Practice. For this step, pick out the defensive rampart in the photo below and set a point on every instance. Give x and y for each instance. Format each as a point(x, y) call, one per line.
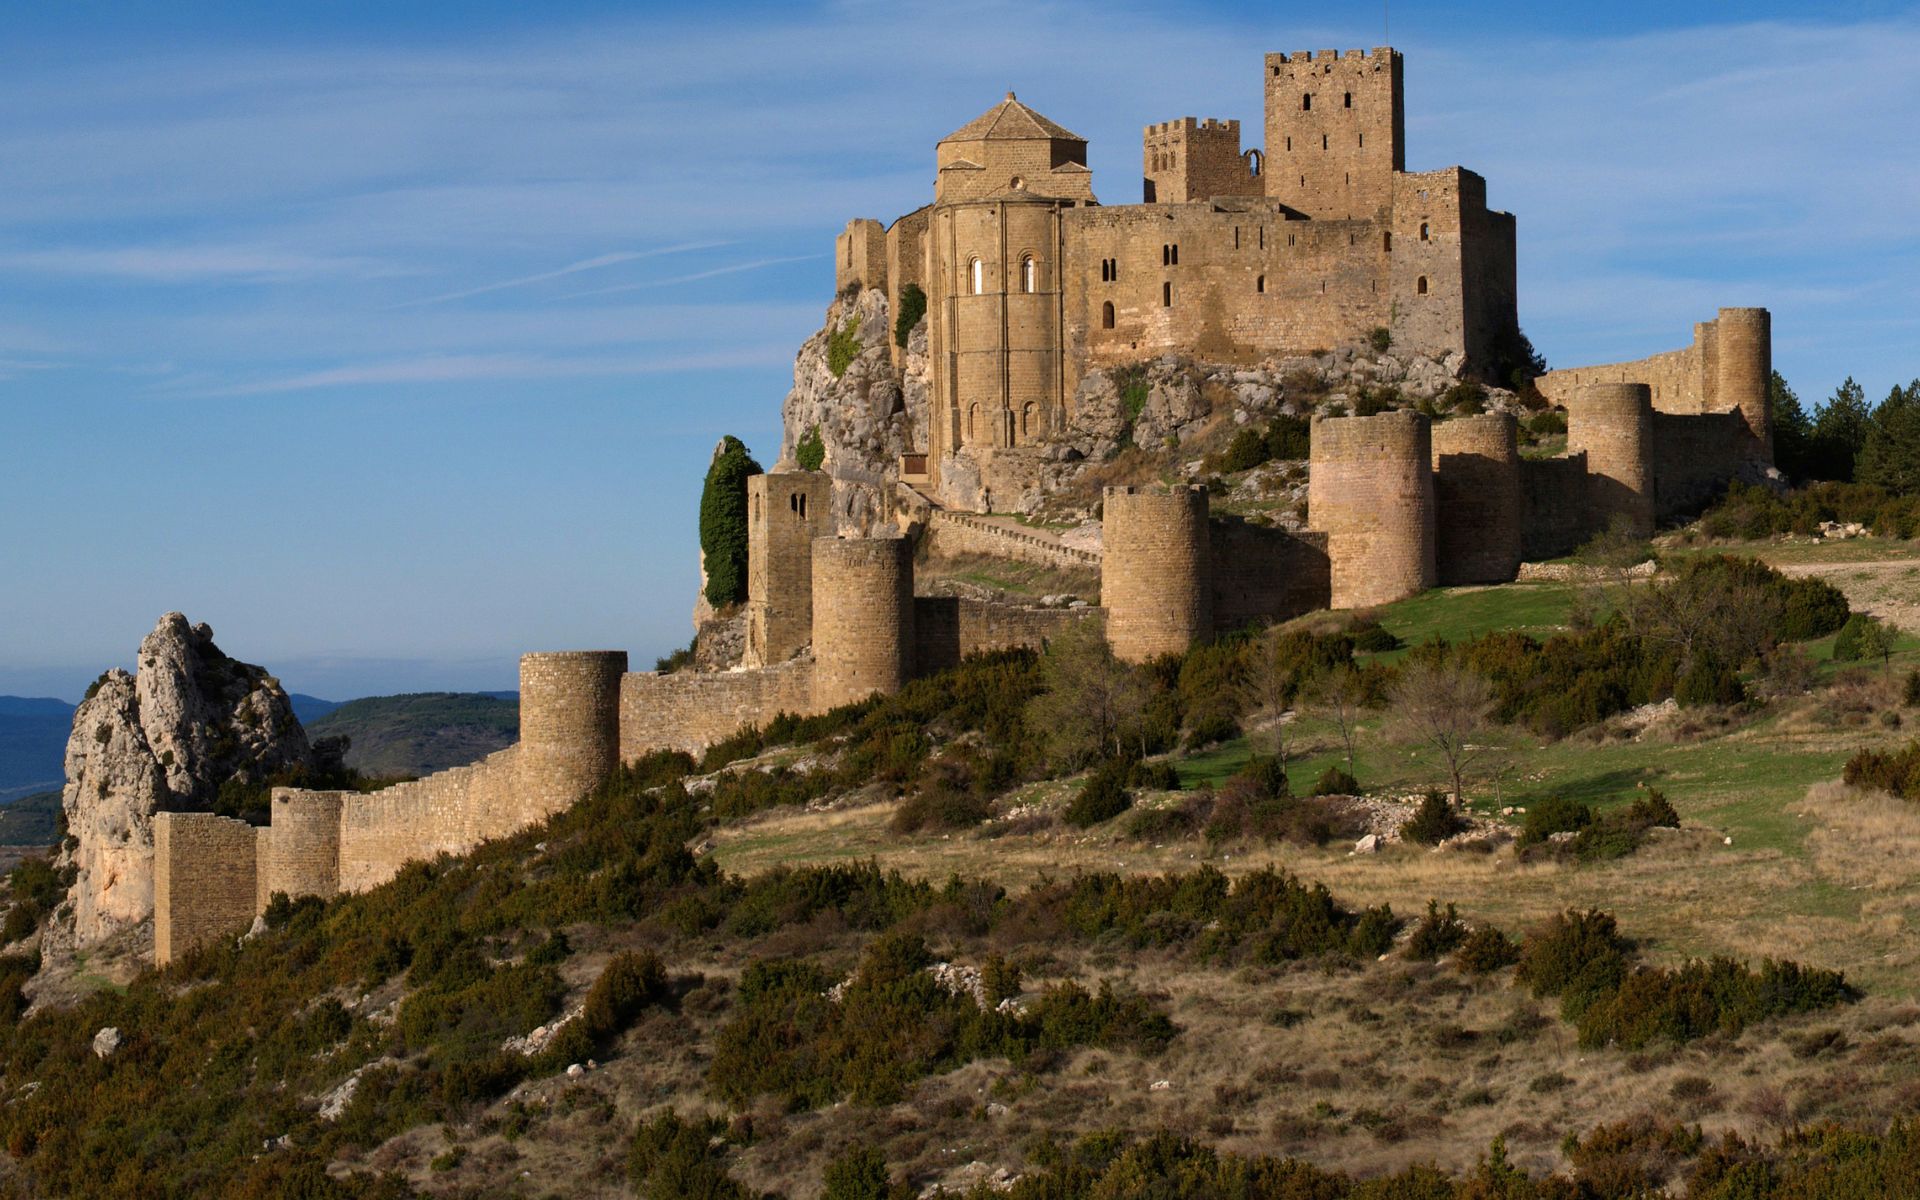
point(1371, 491)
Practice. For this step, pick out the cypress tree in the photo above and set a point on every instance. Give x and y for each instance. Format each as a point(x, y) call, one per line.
point(723, 522)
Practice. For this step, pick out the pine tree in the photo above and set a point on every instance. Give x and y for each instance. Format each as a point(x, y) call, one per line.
point(1840, 430)
point(1891, 455)
point(1793, 447)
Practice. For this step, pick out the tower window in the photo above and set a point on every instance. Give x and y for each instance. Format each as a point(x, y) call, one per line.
point(1423, 232)
point(1106, 315)
point(1029, 275)
point(1166, 295)
point(1421, 286)
point(1260, 284)
point(1263, 237)
point(1363, 141)
point(1306, 102)
point(976, 277)
point(1026, 420)
point(798, 503)
point(1323, 142)
point(1236, 237)
point(1386, 240)
point(1349, 99)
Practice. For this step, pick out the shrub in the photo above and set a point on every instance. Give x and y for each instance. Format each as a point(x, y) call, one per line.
point(1577, 956)
point(1862, 638)
point(938, 804)
point(1715, 996)
point(672, 1159)
point(1371, 637)
point(1380, 338)
point(1550, 423)
point(1212, 728)
point(1895, 771)
point(1436, 934)
point(861, 1174)
point(1247, 451)
point(1813, 608)
point(1485, 950)
point(1554, 814)
point(1433, 823)
point(723, 522)
point(1465, 398)
point(913, 306)
point(1289, 438)
point(1708, 681)
point(810, 452)
point(1102, 797)
point(1911, 694)
point(843, 346)
point(1335, 782)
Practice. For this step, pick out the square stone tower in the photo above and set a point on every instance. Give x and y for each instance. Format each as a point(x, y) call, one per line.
point(1188, 160)
point(786, 511)
point(1336, 132)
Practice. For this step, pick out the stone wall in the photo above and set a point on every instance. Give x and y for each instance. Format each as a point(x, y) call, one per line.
point(1263, 574)
point(691, 710)
point(955, 533)
point(1728, 368)
point(860, 256)
point(786, 510)
point(1336, 131)
point(1555, 512)
point(1155, 571)
point(946, 629)
point(203, 881)
point(1187, 160)
point(1371, 491)
point(569, 730)
point(862, 618)
point(1612, 424)
point(1694, 457)
point(300, 849)
point(1476, 485)
point(447, 812)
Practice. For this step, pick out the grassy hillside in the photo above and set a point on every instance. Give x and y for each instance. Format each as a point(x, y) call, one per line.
point(30, 820)
point(421, 733)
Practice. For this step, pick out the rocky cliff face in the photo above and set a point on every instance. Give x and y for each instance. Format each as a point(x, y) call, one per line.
point(868, 415)
point(167, 737)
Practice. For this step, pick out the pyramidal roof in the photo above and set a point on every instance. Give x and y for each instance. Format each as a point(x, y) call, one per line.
point(1010, 120)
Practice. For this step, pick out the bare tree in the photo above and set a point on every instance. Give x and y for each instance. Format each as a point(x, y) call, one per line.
point(1268, 690)
point(1092, 701)
point(1445, 707)
point(1341, 697)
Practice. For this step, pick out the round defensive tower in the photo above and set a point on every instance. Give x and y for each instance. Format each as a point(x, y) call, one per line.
point(569, 726)
point(1156, 577)
point(1613, 423)
point(862, 618)
point(302, 844)
point(1371, 492)
point(1476, 490)
point(1744, 369)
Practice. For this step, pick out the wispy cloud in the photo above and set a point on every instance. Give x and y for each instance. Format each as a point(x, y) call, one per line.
point(714, 273)
point(442, 369)
point(181, 264)
point(587, 264)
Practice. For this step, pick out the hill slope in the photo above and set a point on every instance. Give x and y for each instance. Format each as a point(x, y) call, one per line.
point(422, 732)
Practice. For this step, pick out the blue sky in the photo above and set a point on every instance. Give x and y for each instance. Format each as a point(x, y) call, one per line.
point(392, 339)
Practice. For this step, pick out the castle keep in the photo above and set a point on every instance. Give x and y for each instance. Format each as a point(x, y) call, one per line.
point(1237, 255)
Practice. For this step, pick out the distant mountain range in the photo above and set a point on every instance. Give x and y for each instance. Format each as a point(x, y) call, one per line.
point(391, 735)
point(33, 745)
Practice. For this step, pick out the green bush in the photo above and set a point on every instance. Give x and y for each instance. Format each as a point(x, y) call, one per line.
point(843, 345)
point(913, 306)
point(1380, 338)
point(1247, 451)
point(1436, 934)
point(1894, 771)
point(810, 452)
point(1862, 638)
point(672, 1159)
point(861, 1174)
point(1715, 996)
point(1911, 693)
point(1578, 956)
point(1335, 782)
point(1371, 637)
point(940, 805)
point(723, 522)
point(1486, 950)
point(1550, 423)
point(1465, 399)
point(1289, 438)
point(1434, 822)
point(1102, 797)
point(1551, 815)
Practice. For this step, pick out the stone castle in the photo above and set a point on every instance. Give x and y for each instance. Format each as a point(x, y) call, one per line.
point(1237, 255)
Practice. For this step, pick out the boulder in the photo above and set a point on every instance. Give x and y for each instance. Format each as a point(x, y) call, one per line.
point(106, 1042)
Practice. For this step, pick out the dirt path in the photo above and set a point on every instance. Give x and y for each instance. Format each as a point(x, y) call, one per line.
point(1889, 590)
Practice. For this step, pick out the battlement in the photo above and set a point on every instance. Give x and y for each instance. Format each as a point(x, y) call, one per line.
point(1195, 125)
point(1378, 55)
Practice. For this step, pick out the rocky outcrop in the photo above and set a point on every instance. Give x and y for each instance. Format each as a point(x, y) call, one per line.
point(868, 415)
point(188, 722)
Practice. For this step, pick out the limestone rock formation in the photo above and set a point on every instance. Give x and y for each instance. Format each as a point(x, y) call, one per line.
point(868, 415)
point(166, 737)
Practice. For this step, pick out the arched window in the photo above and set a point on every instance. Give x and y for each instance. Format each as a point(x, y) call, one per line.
point(1421, 286)
point(1260, 284)
point(1029, 275)
point(1026, 420)
point(1306, 102)
point(798, 503)
point(1423, 231)
point(1166, 295)
point(1166, 255)
point(976, 277)
point(1176, 254)
point(973, 415)
point(1106, 315)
